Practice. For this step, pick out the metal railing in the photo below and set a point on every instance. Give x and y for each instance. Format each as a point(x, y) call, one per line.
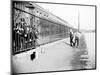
point(52, 30)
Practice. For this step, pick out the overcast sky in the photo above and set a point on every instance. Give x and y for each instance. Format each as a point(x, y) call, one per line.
point(70, 14)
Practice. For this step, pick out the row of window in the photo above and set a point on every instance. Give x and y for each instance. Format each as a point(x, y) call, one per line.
point(41, 14)
point(23, 5)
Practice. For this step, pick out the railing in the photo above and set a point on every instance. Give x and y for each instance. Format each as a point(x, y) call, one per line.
point(45, 32)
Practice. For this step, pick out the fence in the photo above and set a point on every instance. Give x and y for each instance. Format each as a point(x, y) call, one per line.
point(29, 30)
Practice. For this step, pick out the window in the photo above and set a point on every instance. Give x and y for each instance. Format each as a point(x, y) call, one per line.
point(37, 11)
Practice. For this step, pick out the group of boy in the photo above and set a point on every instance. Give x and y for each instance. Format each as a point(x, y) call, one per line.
point(25, 36)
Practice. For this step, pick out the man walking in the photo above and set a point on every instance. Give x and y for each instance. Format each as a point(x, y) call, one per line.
point(77, 39)
point(71, 37)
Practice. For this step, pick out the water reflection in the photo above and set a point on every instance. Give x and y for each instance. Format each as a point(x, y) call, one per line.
point(90, 41)
point(82, 55)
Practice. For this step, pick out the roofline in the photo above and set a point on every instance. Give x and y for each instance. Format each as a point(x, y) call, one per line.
point(91, 5)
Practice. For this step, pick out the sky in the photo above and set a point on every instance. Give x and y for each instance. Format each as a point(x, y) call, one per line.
point(70, 14)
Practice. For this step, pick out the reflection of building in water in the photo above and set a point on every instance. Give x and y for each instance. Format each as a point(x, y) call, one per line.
point(46, 26)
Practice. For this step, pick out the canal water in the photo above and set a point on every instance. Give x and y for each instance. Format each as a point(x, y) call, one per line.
point(84, 55)
point(90, 41)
